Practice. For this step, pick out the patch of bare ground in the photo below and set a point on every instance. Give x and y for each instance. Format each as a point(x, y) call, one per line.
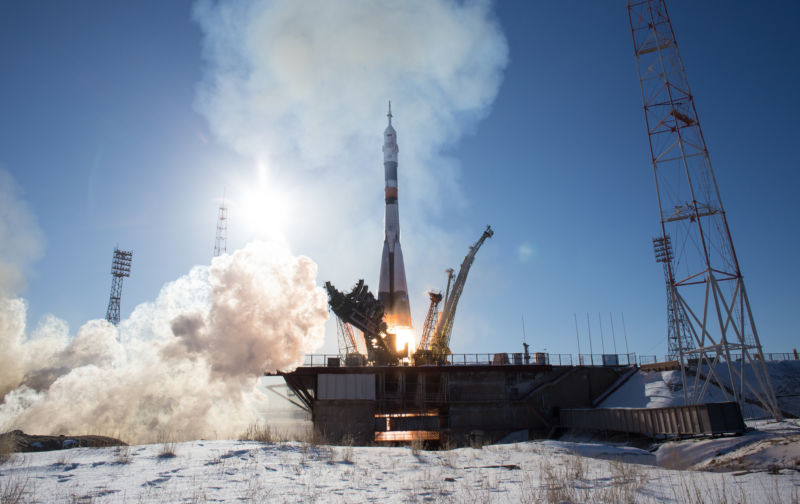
point(18, 441)
point(771, 454)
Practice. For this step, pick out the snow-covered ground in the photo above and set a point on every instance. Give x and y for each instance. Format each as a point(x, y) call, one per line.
point(549, 471)
point(763, 465)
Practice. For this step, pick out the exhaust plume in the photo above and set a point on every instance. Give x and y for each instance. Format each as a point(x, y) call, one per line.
point(186, 364)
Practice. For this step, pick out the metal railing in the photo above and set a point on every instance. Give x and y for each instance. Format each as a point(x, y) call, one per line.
point(323, 360)
point(498, 359)
point(537, 358)
point(607, 359)
point(735, 357)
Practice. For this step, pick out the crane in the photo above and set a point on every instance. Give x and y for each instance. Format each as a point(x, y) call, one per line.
point(440, 339)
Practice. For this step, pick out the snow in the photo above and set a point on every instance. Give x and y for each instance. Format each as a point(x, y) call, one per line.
point(763, 465)
point(549, 471)
point(766, 445)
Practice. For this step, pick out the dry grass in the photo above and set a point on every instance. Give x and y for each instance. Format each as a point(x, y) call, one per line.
point(122, 454)
point(7, 449)
point(168, 445)
point(568, 479)
point(13, 490)
point(416, 447)
point(315, 438)
point(347, 453)
point(260, 433)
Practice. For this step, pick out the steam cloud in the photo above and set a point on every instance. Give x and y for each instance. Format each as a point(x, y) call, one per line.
point(186, 364)
point(303, 86)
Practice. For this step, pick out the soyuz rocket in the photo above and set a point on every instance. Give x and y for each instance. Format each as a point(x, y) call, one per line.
point(392, 288)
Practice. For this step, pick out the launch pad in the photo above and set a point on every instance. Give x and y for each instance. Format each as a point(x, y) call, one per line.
point(445, 404)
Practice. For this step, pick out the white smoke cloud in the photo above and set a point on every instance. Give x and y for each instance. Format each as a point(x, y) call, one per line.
point(21, 241)
point(186, 364)
point(20, 245)
point(303, 87)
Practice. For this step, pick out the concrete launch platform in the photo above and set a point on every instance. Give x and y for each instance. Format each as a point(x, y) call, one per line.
point(448, 404)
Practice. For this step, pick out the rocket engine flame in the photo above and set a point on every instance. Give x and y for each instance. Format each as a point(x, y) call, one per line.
point(404, 336)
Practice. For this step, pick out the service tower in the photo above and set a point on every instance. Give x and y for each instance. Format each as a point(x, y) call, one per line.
point(392, 289)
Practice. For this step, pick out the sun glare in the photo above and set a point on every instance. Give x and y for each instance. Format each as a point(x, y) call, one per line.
point(263, 208)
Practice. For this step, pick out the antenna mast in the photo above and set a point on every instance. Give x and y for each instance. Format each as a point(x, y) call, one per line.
point(704, 278)
point(220, 244)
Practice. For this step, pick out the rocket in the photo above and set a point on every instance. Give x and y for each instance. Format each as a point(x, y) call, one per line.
point(392, 288)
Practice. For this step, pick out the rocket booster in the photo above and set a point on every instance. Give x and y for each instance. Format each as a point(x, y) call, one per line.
point(392, 288)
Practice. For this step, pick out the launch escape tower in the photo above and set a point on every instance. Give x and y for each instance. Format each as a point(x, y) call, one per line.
point(677, 330)
point(120, 268)
point(220, 244)
point(704, 278)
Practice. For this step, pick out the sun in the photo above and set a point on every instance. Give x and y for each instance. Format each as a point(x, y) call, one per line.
point(263, 207)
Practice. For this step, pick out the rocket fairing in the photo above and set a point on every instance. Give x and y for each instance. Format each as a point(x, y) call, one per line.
point(392, 288)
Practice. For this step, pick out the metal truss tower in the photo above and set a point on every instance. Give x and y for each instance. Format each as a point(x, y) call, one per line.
point(221, 243)
point(677, 326)
point(704, 276)
point(120, 268)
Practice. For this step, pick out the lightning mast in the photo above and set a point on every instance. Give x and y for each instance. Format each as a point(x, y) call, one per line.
point(120, 268)
point(220, 244)
point(704, 278)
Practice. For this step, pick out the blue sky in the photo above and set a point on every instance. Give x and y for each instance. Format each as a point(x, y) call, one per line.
point(103, 130)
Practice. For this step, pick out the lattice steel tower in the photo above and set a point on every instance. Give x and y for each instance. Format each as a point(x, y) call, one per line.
point(704, 276)
point(120, 268)
point(677, 327)
point(220, 244)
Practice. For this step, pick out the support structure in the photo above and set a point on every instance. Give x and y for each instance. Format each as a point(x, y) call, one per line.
point(440, 339)
point(360, 309)
point(120, 268)
point(221, 242)
point(705, 280)
point(431, 319)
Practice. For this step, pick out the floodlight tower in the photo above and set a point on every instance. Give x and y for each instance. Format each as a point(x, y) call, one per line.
point(704, 276)
point(120, 268)
point(678, 338)
point(220, 244)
